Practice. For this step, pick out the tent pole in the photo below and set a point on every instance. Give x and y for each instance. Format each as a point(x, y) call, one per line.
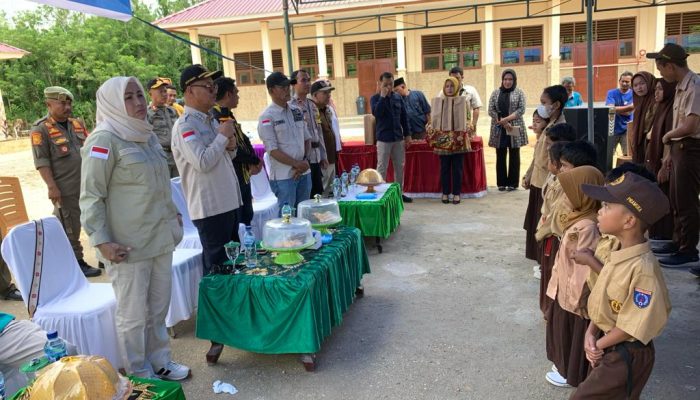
point(589, 69)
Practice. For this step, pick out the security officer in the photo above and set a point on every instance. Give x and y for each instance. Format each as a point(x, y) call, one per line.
point(162, 117)
point(56, 142)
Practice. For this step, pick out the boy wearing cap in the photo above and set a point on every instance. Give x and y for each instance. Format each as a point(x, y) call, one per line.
point(629, 304)
point(683, 159)
point(162, 117)
point(56, 142)
point(287, 140)
point(417, 108)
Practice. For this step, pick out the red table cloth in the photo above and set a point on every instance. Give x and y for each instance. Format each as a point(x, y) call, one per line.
point(422, 169)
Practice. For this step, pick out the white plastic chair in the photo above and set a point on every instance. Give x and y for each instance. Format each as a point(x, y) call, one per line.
point(265, 205)
point(83, 313)
point(190, 239)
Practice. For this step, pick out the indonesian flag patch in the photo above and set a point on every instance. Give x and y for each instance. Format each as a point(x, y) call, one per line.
point(99, 152)
point(266, 122)
point(188, 136)
point(642, 297)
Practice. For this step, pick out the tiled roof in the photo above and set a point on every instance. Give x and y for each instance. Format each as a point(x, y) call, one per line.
point(218, 9)
point(6, 48)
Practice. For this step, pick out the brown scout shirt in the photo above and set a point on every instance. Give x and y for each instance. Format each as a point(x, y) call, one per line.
point(631, 294)
point(328, 135)
point(59, 150)
point(687, 102)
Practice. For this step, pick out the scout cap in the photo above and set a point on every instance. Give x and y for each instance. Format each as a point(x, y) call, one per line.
point(670, 52)
point(57, 93)
point(196, 72)
point(155, 83)
point(321, 86)
point(399, 81)
point(640, 195)
point(278, 79)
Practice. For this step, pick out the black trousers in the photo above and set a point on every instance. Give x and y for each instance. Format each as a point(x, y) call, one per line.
point(685, 187)
point(451, 167)
point(214, 233)
point(316, 180)
point(508, 176)
point(244, 212)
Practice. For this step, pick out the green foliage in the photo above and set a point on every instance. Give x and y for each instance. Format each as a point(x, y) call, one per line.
point(80, 52)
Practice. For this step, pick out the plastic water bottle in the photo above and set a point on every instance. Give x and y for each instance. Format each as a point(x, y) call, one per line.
point(2, 386)
point(251, 255)
point(55, 347)
point(286, 211)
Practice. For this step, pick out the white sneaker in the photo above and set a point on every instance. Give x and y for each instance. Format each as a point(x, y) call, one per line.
point(557, 380)
point(554, 369)
point(173, 372)
point(537, 274)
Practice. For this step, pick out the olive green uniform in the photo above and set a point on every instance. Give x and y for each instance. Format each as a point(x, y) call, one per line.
point(163, 118)
point(58, 148)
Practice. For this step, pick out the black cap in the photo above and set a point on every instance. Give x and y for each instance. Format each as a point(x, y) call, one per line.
point(399, 81)
point(278, 79)
point(196, 72)
point(670, 52)
point(321, 86)
point(640, 195)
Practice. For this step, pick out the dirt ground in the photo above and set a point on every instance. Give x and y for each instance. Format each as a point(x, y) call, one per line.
point(450, 312)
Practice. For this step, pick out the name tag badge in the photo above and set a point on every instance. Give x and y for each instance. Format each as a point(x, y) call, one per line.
point(279, 122)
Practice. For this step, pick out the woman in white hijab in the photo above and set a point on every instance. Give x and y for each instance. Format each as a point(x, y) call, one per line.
point(128, 214)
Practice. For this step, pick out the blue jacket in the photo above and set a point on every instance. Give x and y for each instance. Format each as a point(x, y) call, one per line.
point(391, 118)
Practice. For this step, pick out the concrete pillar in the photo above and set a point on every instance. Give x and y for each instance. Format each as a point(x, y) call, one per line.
point(400, 45)
point(196, 53)
point(660, 36)
point(554, 48)
point(267, 51)
point(321, 50)
point(228, 66)
point(489, 55)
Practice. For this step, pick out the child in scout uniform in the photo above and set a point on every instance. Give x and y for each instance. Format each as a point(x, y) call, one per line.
point(575, 217)
point(629, 304)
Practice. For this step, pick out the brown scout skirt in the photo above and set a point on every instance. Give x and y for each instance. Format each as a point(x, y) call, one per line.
point(611, 380)
point(532, 218)
point(565, 334)
point(548, 253)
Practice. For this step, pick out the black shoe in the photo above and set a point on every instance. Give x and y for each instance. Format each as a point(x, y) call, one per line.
point(406, 199)
point(680, 260)
point(88, 271)
point(695, 271)
point(511, 188)
point(664, 248)
point(501, 188)
point(101, 265)
point(12, 293)
point(445, 199)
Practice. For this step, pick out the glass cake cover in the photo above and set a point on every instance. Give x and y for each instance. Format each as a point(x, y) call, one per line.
point(281, 233)
point(320, 211)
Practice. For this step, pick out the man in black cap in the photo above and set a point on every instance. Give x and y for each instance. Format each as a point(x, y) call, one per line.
point(162, 117)
point(287, 141)
point(683, 159)
point(417, 108)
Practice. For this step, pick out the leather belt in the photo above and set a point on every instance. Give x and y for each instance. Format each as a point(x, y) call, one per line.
point(315, 145)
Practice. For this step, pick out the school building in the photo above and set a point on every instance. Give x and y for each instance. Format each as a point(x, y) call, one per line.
point(352, 41)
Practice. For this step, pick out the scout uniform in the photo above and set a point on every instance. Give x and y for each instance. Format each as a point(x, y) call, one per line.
point(163, 118)
point(56, 145)
point(630, 294)
point(317, 152)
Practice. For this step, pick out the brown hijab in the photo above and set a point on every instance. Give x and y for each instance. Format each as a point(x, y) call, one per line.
point(662, 123)
point(644, 107)
point(583, 207)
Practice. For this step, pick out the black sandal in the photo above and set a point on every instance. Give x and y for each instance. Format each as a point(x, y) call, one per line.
point(456, 199)
point(445, 199)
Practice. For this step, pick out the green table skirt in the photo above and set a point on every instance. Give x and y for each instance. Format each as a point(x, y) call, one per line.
point(375, 218)
point(162, 390)
point(289, 313)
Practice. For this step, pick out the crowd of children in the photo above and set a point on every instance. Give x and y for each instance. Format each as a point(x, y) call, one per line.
point(602, 293)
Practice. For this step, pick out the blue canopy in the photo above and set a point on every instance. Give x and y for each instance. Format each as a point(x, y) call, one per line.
point(114, 9)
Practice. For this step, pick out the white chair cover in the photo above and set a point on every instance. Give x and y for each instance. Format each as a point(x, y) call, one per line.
point(265, 205)
point(190, 239)
point(187, 272)
point(83, 313)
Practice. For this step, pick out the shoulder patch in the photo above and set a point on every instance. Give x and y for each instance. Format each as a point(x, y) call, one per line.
point(99, 152)
point(188, 136)
point(37, 138)
point(298, 115)
point(642, 297)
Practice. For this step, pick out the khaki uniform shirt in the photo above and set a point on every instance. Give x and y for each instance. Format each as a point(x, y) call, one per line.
point(551, 195)
point(207, 174)
point(687, 102)
point(125, 196)
point(537, 173)
point(59, 150)
point(606, 245)
point(284, 129)
point(312, 117)
point(631, 294)
point(163, 118)
point(568, 277)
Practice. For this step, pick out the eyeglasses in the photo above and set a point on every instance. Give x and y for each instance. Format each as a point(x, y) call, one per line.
point(208, 86)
